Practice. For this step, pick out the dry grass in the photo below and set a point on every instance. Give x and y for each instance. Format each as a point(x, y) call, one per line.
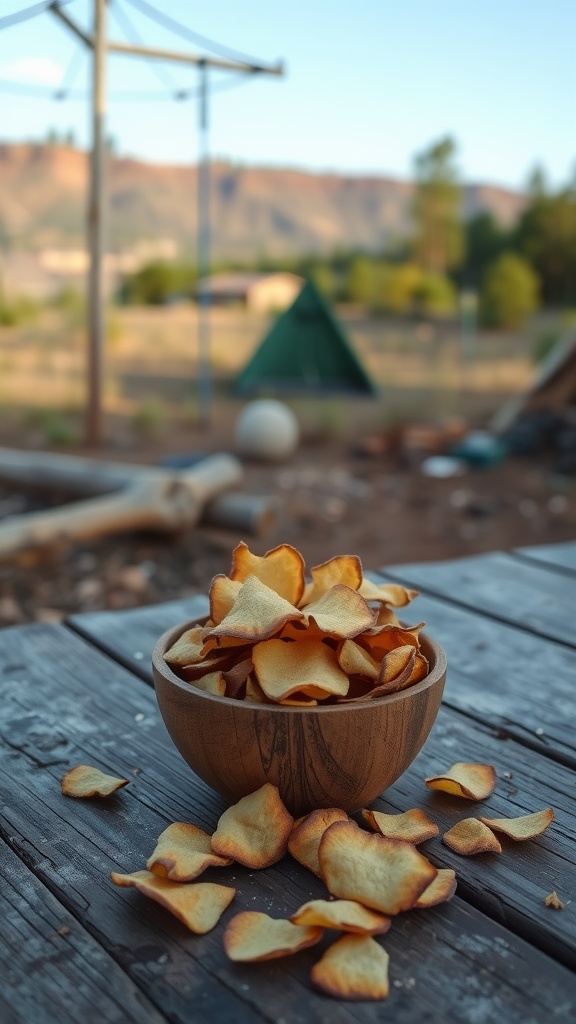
point(151, 356)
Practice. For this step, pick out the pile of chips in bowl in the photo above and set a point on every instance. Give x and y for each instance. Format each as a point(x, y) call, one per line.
point(274, 637)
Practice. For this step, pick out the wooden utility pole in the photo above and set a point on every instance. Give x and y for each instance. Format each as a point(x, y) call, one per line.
point(96, 231)
point(97, 205)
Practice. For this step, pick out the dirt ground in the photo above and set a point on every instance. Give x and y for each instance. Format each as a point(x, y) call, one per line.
point(332, 500)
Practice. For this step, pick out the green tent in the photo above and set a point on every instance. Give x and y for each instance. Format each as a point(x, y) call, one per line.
point(306, 351)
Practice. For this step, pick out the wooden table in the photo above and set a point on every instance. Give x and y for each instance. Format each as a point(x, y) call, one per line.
point(75, 948)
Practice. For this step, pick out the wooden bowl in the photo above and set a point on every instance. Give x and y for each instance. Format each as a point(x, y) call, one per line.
point(341, 755)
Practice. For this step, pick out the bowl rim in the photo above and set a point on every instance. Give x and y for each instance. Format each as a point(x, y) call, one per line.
point(169, 637)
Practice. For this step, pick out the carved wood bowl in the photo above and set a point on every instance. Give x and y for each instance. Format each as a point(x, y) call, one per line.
point(341, 755)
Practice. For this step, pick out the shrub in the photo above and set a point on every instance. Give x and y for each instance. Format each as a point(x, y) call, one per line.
point(510, 292)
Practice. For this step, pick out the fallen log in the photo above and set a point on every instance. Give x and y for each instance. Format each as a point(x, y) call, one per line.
point(119, 497)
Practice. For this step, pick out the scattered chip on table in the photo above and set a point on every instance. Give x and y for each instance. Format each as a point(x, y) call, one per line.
point(355, 967)
point(255, 830)
point(471, 836)
point(85, 781)
point(251, 936)
point(526, 826)
point(472, 781)
point(183, 852)
point(199, 905)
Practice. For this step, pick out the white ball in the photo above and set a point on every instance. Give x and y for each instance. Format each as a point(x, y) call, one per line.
point(266, 429)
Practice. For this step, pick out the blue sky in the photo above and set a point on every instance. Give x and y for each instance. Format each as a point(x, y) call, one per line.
point(369, 83)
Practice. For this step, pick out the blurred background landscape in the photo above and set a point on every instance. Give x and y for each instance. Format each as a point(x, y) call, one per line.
point(417, 167)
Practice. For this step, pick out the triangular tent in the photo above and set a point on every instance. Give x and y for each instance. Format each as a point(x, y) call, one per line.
point(306, 351)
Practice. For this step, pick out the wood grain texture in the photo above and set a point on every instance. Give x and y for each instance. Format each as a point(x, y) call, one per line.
point(129, 636)
point(559, 556)
point(53, 971)
point(336, 756)
point(525, 594)
point(64, 704)
point(505, 677)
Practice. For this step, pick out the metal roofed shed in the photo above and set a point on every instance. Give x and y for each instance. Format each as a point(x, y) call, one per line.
point(306, 351)
point(259, 292)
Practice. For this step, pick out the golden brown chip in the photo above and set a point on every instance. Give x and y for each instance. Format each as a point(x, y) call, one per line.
point(420, 670)
point(183, 852)
point(254, 691)
point(307, 667)
point(219, 661)
point(386, 617)
point(396, 663)
point(386, 874)
point(354, 660)
point(527, 826)
point(254, 831)
point(223, 594)
point(440, 890)
point(344, 569)
point(553, 900)
point(254, 936)
point(281, 569)
point(345, 915)
point(306, 835)
point(387, 593)
point(199, 905)
point(187, 649)
point(298, 700)
point(412, 826)
point(85, 781)
point(355, 967)
point(379, 640)
point(472, 781)
point(211, 682)
point(257, 614)
point(340, 612)
point(471, 836)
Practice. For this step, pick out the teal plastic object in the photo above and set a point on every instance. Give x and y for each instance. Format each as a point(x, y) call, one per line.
point(481, 449)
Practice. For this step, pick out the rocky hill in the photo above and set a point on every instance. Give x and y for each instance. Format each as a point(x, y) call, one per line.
point(255, 211)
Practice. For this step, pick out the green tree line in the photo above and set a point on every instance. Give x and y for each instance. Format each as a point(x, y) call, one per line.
point(511, 271)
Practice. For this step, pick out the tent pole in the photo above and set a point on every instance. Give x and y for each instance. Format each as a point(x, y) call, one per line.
point(204, 340)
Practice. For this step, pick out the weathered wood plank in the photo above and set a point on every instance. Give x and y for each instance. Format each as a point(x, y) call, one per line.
point(63, 704)
point(53, 971)
point(525, 594)
point(506, 677)
point(129, 636)
point(561, 556)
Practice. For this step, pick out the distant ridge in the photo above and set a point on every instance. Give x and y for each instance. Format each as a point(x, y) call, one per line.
point(256, 211)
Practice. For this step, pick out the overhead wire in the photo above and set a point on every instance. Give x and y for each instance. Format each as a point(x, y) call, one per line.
point(133, 36)
point(179, 29)
point(44, 92)
point(28, 12)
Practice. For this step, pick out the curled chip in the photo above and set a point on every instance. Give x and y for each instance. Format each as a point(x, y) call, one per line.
point(471, 836)
point(472, 781)
point(345, 915)
point(85, 781)
point(306, 835)
point(344, 569)
point(255, 936)
point(199, 905)
point(183, 852)
point(386, 874)
point(281, 569)
point(340, 612)
point(223, 594)
point(411, 826)
point(187, 648)
point(355, 967)
point(212, 682)
point(257, 613)
point(236, 676)
point(254, 831)
point(440, 890)
point(355, 661)
point(527, 826)
point(310, 668)
point(387, 593)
